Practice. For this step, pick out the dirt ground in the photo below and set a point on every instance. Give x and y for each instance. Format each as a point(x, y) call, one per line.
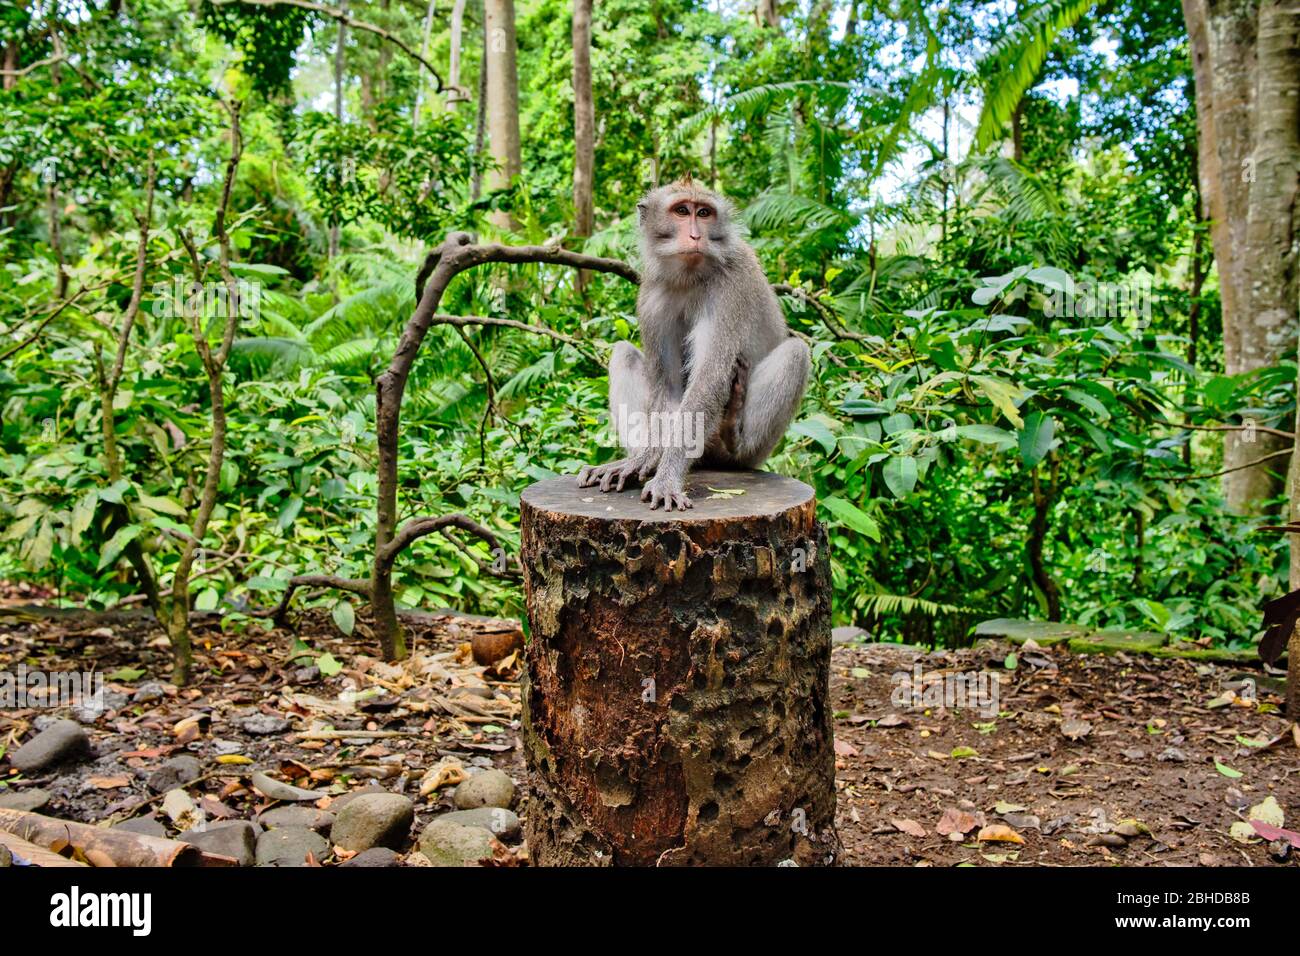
point(1085, 760)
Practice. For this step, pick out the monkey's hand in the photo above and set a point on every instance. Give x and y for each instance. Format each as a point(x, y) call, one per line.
point(668, 490)
point(613, 475)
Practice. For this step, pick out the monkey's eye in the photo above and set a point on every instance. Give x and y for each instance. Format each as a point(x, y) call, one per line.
point(681, 210)
point(704, 212)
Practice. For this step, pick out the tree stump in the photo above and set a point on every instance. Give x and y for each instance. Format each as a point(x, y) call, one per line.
point(676, 692)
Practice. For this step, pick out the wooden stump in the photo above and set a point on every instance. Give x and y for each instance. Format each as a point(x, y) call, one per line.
point(676, 695)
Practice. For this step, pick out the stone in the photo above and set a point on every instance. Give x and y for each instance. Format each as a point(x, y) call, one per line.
point(289, 846)
point(379, 819)
point(29, 801)
point(846, 635)
point(376, 856)
point(264, 725)
point(1111, 641)
point(502, 824)
point(450, 844)
point(1043, 633)
point(149, 691)
point(237, 840)
point(342, 800)
point(176, 772)
point(309, 817)
point(488, 788)
point(148, 826)
point(62, 741)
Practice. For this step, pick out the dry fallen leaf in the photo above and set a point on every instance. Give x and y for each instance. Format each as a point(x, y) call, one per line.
point(109, 783)
point(910, 827)
point(845, 749)
point(1001, 833)
point(1076, 729)
point(955, 821)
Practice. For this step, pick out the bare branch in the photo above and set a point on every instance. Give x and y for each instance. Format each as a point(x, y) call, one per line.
point(1220, 474)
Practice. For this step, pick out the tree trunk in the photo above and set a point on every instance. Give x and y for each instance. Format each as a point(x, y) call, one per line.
point(584, 121)
point(676, 701)
point(768, 15)
point(1243, 63)
point(502, 99)
point(339, 53)
point(455, 94)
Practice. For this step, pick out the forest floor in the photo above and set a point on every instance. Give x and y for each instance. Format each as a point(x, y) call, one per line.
point(1086, 759)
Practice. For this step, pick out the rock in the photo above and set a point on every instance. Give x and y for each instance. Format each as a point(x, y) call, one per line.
point(502, 824)
point(378, 819)
point(149, 691)
point(306, 675)
point(275, 790)
point(264, 725)
point(222, 747)
point(149, 826)
point(341, 801)
point(289, 846)
point(308, 817)
point(28, 801)
point(490, 788)
point(63, 740)
point(237, 840)
point(846, 635)
point(176, 772)
point(375, 857)
point(450, 844)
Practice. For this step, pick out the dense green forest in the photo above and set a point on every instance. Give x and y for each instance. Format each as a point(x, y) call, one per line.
point(1047, 271)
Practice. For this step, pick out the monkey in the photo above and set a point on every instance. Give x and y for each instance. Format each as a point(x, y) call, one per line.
point(721, 375)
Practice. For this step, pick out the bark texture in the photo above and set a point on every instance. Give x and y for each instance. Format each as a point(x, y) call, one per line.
point(676, 697)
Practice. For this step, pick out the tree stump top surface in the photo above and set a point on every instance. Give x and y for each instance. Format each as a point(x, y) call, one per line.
point(765, 495)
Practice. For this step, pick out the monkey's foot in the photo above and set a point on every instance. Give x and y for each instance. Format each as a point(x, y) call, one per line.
point(611, 476)
point(661, 490)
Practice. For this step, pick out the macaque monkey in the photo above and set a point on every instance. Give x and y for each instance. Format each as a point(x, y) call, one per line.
point(721, 376)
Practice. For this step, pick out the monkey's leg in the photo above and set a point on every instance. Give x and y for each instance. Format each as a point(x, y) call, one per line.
point(776, 388)
point(629, 409)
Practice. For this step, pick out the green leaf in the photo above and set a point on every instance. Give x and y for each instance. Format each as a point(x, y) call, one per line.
point(899, 473)
point(1003, 395)
point(113, 549)
point(83, 513)
point(165, 506)
point(988, 435)
point(1036, 438)
point(1227, 771)
point(289, 512)
point(207, 600)
point(850, 514)
point(125, 675)
point(329, 665)
point(344, 617)
point(817, 430)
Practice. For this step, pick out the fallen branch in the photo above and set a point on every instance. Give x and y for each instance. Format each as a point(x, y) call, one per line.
point(104, 846)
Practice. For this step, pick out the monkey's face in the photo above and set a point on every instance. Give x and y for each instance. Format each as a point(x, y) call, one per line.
point(686, 230)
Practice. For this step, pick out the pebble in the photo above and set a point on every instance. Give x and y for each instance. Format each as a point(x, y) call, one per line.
point(149, 826)
point(264, 725)
point(176, 772)
point(149, 691)
point(309, 817)
point(275, 790)
point(450, 844)
point(28, 801)
point(289, 846)
point(488, 788)
point(375, 857)
point(501, 823)
point(378, 819)
point(237, 840)
point(62, 741)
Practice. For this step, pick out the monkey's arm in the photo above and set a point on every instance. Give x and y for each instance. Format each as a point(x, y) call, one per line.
point(699, 412)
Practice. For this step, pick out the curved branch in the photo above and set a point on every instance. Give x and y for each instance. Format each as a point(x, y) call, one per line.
point(352, 585)
point(465, 320)
point(418, 528)
point(342, 17)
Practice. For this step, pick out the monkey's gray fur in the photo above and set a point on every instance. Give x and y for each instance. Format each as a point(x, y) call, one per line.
point(717, 351)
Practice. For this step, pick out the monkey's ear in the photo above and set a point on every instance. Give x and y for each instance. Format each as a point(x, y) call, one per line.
point(640, 213)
